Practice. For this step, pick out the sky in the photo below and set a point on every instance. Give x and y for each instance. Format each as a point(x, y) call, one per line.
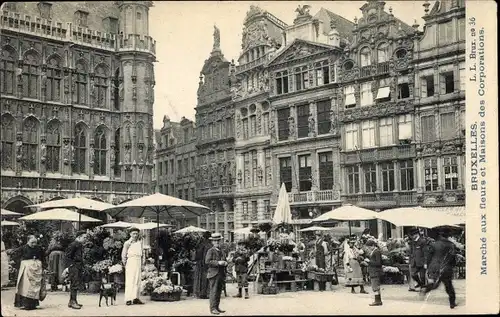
point(183, 31)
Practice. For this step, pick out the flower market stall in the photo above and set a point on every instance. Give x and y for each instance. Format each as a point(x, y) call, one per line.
point(158, 285)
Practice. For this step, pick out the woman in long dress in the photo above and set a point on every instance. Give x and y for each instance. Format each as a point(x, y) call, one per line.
point(200, 287)
point(29, 279)
point(56, 263)
point(5, 266)
point(353, 274)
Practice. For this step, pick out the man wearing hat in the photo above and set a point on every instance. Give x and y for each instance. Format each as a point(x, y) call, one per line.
point(374, 269)
point(132, 261)
point(441, 255)
point(74, 262)
point(216, 273)
point(417, 244)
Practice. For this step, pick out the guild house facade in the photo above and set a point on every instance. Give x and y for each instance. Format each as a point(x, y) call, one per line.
point(77, 94)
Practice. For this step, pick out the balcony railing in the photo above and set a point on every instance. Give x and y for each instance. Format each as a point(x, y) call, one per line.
point(220, 190)
point(314, 196)
point(379, 154)
point(256, 62)
point(383, 199)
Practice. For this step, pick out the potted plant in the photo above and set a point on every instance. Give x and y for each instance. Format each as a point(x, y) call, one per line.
point(167, 293)
point(99, 270)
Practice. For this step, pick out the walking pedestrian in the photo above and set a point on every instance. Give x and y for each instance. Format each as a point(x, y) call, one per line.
point(417, 243)
point(132, 261)
point(441, 255)
point(353, 274)
point(216, 273)
point(74, 268)
point(374, 269)
point(240, 259)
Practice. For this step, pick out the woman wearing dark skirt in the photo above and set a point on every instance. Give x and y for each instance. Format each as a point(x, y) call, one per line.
point(200, 287)
point(56, 263)
point(29, 278)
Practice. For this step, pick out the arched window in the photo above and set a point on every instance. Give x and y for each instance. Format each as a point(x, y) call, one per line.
point(80, 149)
point(8, 139)
point(30, 144)
point(81, 79)
point(101, 82)
point(31, 64)
point(54, 77)
point(53, 146)
point(365, 55)
point(100, 151)
point(383, 53)
point(7, 71)
point(116, 90)
point(117, 169)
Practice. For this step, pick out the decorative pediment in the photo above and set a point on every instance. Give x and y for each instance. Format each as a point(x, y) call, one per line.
point(299, 49)
point(214, 63)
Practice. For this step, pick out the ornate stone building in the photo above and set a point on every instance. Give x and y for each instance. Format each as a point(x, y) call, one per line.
point(77, 100)
point(261, 34)
point(216, 170)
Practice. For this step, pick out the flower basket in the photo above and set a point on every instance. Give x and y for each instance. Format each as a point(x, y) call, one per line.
point(311, 275)
point(166, 297)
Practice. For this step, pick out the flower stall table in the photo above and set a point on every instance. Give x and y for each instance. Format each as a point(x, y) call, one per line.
point(279, 274)
point(322, 280)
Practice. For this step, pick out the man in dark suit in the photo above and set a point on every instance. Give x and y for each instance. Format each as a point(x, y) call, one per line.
point(441, 256)
point(374, 269)
point(74, 262)
point(216, 274)
point(418, 264)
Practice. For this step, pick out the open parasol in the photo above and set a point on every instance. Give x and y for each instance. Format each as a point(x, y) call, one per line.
point(6, 223)
point(118, 225)
point(8, 213)
point(190, 229)
point(418, 217)
point(348, 213)
point(314, 228)
point(150, 225)
point(60, 214)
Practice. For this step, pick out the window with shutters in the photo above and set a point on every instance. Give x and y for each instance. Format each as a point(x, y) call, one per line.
point(80, 146)
point(352, 179)
point(448, 127)
point(286, 172)
point(303, 121)
point(244, 124)
point(351, 136)
point(450, 168)
point(31, 65)
point(325, 170)
point(8, 138)
point(368, 133)
point(301, 78)
point(385, 131)
point(322, 73)
point(323, 111)
point(366, 94)
point(53, 158)
point(305, 176)
point(387, 169)
point(54, 78)
point(445, 30)
point(7, 71)
point(283, 129)
point(463, 79)
point(427, 86)
point(370, 173)
point(30, 144)
point(100, 151)
point(447, 83)
point(431, 174)
point(349, 98)
point(282, 82)
point(366, 57)
point(428, 128)
point(406, 174)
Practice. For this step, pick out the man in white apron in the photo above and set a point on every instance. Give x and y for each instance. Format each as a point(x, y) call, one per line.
point(132, 260)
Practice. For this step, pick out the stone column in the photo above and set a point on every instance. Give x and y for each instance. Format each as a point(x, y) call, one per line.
point(313, 119)
point(225, 208)
point(215, 208)
point(260, 210)
point(295, 173)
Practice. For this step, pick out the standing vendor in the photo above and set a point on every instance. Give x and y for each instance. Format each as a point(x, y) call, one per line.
point(321, 249)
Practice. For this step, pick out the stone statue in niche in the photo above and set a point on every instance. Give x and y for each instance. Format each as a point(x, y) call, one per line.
point(291, 126)
point(134, 91)
point(272, 127)
point(112, 156)
point(333, 122)
point(44, 79)
point(260, 173)
point(312, 125)
point(140, 154)
point(19, 149)
point(92, 155)
point(43, 150)
point(120, 90)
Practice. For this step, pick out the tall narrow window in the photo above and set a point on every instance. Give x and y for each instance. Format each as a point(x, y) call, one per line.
point(8, 137)
point(116, 90)
point(351, 136)
point(282, 82)
point(366, 94)
point(383, 53)
point(7, 65)
point(322, 73)
point(387, 169)
point(463, 80)
point(267, 168)
point(229, 127)
point(100, 150)
point(286, 173)
point(352, 179)
point(448, 127)
point(303, 121)
point(283, 129)
point(254, 168)
point(244, 124)
point(427, 86)
point(80, 149)
point(405, 127)
point(447, 83)
point(385, 131)
point(305, 176)
point(117, 168)
point(54, 78)
point(325, 171)
point(445, 30)
point(53, 146)
point(431, 174)
point(253, 126)
point(101, 82)
point(30, 144)
point(245, 211)
point(450, 172)
point(368, 133)
point(265, 123)
point(461, 29)
point(406, 173)
point(403, 87)
point(179, 168)
point(370, 173)
point(365, 56)
point(349, 98)
point(323, 109)
point(31, 66)
point(301, 78)
point(428, 128)
point(80, 96)
point(247, 169)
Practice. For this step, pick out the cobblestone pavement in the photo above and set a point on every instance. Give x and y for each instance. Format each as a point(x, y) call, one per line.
point(396, 298)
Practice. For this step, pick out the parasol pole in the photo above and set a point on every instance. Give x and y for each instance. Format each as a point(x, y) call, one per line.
point(158, 239)
point(79, 220)
point(349, 223)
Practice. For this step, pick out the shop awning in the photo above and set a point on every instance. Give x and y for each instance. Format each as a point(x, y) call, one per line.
point(383, 92)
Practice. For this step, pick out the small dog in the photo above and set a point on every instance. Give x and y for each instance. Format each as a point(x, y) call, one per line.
point(107, 290)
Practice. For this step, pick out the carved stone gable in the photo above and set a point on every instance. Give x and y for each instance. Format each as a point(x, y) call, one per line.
point(299, 49)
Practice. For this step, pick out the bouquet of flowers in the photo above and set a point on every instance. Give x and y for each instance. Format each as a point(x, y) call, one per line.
point(102, 266)
point(167, 288)
point(183, 265)
point(390, 269)
point(117, 268)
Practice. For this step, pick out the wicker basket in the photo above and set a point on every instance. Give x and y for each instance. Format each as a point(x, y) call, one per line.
point(166, 297)
point(269, 290)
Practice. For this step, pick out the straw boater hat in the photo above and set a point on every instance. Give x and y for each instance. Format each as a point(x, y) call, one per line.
point(216, 236)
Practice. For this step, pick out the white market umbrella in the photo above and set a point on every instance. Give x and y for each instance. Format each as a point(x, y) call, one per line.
point(418, 217)
point(118, 225)
point(157, 205)
point(6, 223)
point(282, 214)
point(60, 214)
point(8, 213)
point(190, 229)
point(348, 213)
point(314, 228)
point(149, 225)
point(246, 230)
